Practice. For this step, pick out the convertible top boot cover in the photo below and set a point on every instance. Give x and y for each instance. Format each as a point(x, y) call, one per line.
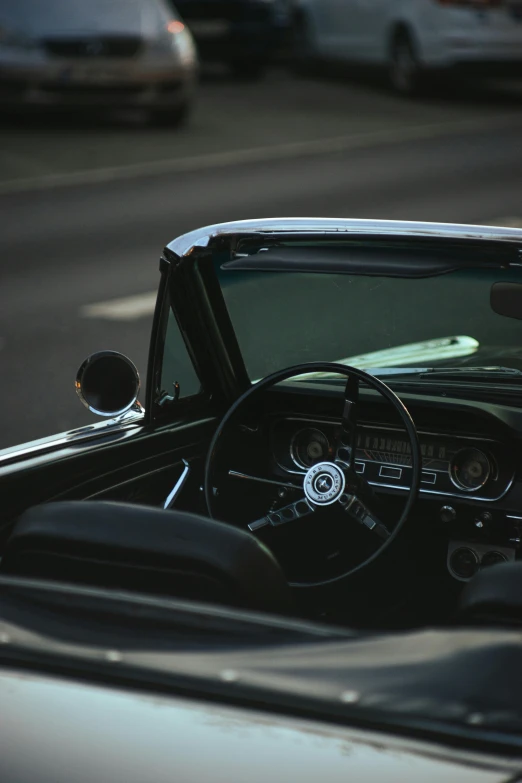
point(146, 550)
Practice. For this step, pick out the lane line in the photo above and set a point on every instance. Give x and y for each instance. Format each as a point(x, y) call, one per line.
point(126, 308)
point(291, 150)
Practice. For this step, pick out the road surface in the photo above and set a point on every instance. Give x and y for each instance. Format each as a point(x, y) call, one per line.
point(85, 211)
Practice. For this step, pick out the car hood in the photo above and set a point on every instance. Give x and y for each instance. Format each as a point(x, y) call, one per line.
point(76, 17)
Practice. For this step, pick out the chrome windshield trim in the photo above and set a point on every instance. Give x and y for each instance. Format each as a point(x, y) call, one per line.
point(185, 244)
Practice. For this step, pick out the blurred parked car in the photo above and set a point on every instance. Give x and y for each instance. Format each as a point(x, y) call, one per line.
point(90, 53)
point(244, 34)
point(413, 39)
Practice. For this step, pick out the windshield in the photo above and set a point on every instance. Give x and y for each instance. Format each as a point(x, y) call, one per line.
point(282, 319)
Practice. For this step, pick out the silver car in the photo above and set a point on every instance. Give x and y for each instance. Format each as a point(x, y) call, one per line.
point(96, 53)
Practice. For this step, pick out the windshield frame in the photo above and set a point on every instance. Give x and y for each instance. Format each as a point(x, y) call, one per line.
point(199, 305)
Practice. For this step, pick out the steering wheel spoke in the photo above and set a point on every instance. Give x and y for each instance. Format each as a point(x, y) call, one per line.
point(347, 438)
point(359, 511)
point(297, 510)
point(329, 484)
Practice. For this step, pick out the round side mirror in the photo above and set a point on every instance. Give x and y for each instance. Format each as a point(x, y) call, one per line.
point(108, 383)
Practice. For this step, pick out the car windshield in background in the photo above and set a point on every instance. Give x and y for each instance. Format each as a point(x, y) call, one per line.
point(284, 319)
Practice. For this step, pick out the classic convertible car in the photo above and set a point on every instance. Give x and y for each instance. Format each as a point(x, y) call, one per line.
point(298, 558)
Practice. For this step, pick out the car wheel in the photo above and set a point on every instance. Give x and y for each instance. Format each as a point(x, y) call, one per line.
point(172, 117)
point(405, 73)
point(248, 70)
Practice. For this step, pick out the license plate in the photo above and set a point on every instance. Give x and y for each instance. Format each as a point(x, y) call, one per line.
point(209, 28)
point(84, 75)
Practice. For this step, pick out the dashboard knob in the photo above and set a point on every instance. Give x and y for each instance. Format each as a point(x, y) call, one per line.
point(447, 514)
point(483, 520)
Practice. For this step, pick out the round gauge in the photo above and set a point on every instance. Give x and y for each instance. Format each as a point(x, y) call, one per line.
point(464, 562)
point(493, 558)
point(309, 447)
point(470, 469)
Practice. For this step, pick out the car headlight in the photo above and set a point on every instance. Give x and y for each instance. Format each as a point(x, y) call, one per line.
point(182, 41)
point(15, 39)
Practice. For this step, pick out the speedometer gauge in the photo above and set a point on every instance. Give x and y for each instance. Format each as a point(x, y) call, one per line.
point(470, 469)
point(309, 446)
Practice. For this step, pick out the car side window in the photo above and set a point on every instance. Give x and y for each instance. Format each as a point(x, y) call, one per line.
point(177, 365)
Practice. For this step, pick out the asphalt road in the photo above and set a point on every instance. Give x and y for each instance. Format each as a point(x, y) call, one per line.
point(280, 148)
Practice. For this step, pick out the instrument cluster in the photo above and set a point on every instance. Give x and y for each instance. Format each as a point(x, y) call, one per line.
point(452, 464)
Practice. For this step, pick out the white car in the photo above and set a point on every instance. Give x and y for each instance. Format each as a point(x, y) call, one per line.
point(96, 53)
point(413, 39)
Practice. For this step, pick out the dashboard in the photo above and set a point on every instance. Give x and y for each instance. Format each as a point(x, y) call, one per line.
point(453, 465)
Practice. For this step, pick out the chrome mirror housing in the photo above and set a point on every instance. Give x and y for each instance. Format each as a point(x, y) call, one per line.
point(108, 384)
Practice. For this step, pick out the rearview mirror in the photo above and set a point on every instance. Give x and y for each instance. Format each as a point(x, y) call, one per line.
point(108, 383)
point(506, 299)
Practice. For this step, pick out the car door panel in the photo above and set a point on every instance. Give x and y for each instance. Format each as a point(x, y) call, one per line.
point(136, 464)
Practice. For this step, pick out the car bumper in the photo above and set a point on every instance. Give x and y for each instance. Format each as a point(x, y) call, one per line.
point(73, 85)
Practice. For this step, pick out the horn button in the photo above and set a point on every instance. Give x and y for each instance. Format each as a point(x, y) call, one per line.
point(324, 484)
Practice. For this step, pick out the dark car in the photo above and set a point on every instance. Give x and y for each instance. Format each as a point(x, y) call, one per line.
point(243, 34)
point(281, 567)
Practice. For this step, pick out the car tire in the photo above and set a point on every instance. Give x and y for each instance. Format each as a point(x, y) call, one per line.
point(248, 70)
point(173, 117)
point(405, 73)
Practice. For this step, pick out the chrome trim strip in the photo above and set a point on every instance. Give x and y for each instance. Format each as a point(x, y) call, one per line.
point(390, 471)
point(178, 486)
point(72, 437)
point(237, 474)
point(447, 494)
point(185, 244)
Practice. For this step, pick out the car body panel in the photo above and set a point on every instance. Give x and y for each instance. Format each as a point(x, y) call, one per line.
point(444, 36)
point(76, 731)
point(226, 30)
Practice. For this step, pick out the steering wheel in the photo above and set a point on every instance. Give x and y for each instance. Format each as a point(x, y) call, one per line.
point(335, 484)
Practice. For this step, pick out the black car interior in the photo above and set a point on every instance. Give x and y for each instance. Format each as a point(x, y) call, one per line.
point(453, 560)
point(314, 495)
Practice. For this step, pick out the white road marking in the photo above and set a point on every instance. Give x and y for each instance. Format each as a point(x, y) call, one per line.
point(292, 150)
point(127, 308)
point(506, 222)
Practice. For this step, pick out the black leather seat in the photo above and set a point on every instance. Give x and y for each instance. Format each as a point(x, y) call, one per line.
point(148, 550)
point(493, 596)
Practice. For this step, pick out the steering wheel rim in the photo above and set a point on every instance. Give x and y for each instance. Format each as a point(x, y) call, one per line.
point(348, 372)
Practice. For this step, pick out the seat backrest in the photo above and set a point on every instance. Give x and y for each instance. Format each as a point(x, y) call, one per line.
point(493, 596)
point(146, 550)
